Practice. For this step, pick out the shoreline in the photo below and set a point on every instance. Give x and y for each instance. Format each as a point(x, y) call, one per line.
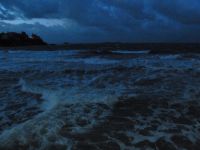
point(154, 48)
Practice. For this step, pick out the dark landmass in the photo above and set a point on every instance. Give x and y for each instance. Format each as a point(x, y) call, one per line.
point(13, 39)
point(21, 41)
point(153, 47)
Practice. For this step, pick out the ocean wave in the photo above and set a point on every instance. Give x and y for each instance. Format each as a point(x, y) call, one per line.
point(62, 103)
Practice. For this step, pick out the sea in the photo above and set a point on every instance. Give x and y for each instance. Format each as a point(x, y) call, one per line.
point(89, 99)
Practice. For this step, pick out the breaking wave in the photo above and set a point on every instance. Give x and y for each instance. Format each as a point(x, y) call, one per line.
point(52, 102)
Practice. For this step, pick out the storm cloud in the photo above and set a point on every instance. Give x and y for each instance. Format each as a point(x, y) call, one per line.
point(60, 21)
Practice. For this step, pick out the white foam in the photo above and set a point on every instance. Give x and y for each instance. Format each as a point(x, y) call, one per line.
point(66, 104)
point(60, 106)
point(131, 51)
point(71, 95)
point(93, 61)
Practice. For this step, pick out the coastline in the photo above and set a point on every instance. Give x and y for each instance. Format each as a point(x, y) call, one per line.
point(154, 48)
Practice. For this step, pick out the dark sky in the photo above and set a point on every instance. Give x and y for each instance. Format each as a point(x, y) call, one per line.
point(60, 21)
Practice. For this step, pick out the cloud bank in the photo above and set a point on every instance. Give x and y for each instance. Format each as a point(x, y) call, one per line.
point(60, 21)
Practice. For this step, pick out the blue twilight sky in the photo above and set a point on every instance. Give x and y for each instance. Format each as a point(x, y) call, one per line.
point(60, 21)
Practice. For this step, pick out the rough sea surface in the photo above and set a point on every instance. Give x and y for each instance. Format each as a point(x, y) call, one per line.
point(82, 100)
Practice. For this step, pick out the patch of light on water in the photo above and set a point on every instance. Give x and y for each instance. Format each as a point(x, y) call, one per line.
point(131, 51)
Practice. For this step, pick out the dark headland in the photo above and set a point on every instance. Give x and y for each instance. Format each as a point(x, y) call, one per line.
point(21, 41)
point(13, 39)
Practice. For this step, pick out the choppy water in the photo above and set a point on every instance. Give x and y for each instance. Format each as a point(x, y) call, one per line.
point(45, 94)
